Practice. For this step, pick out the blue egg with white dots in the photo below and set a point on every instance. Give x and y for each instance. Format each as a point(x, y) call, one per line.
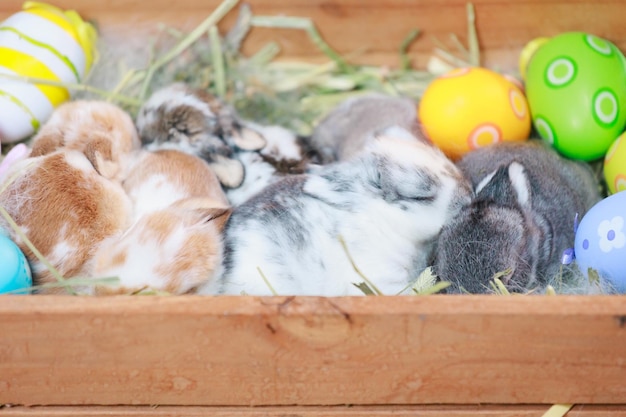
point(14, 270)
point(601, 240)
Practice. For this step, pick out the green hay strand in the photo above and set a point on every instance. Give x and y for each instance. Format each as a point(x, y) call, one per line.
point(372, 288)
point(267, 282)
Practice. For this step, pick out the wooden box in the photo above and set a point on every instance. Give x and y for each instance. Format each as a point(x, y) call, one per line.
point(308, 356)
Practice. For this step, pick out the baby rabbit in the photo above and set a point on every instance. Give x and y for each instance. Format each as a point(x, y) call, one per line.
point(282, 155)
point(194, 121)
point(66, 197)
point(174, 243)
point(388, 204)
point(245, 156)
point(345, 130)
point(102, 131)
point(65, 208)
point(521, 220)
point(159, 179)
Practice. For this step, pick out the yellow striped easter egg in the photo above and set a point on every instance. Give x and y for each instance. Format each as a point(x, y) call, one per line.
point(40, 42)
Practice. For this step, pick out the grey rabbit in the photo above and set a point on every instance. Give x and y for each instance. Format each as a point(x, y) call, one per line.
point(521, 218)
point(346, 128)
point(388, 203)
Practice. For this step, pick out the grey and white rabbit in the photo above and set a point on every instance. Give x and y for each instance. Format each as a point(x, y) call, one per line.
point(520, 221)
point(245, 156)
point(347, 127)
point(388, 204)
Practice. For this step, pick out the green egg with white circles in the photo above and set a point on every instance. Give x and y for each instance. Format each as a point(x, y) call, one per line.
point(576, 90)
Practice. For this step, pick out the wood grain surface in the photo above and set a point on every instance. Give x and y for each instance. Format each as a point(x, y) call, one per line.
point(240, 351)
point(296, 411)
point(375, 28)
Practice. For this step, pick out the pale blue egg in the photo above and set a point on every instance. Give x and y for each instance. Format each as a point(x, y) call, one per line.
point(14, 270)
point(601, 240)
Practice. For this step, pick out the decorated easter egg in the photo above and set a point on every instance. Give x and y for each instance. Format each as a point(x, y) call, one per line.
point(468, 108)
point(14, 270)
point(615, 165)
point(600, 241)
point(527, 52)
point(39, 42)
point(576, 89)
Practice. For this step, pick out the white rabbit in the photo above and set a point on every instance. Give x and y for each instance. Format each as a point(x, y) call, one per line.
point(388, 204)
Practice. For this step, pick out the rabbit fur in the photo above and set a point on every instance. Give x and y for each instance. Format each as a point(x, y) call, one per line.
point(102, 131)
point(388, 204)
point(520, 221)
point(175, 240)
point(346, 128)
point(66, 196)
point(65, 208)
point(245, 156)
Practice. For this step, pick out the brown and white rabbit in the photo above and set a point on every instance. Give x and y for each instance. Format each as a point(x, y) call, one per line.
point(520, 221)
point(388, 203)
point(66, 197)
point(65, 208)
point(102, 131)
point(158, 179)
point(175, 241)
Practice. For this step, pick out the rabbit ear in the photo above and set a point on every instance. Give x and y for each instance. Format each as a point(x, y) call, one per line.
point(507, 184)
point(397, 132)
point(521, 185)
point(100, 153)
point(217, 215)
point(206, 210)
point(229, 171)
point(248, 139)
point(46, 143)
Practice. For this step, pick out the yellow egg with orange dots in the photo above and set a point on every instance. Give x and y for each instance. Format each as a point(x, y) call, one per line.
point(468, 108)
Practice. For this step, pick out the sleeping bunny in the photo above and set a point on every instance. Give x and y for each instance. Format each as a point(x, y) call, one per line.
point(520, 221)
point(245, 156)
point(65, 208)
point(67, 197)
point(174, 242)
point(102, 131)
point(347, 127)
point(388, 203)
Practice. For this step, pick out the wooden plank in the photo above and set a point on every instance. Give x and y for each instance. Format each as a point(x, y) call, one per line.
point(376, 27)
point(295, 411)
point(61, 350)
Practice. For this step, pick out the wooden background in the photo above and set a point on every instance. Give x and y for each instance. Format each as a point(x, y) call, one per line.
point(504, 26)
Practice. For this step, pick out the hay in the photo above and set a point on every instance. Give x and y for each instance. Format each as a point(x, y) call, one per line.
point(294, 95)
point(291, 94)
point(558, 410)
point(367, 286)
